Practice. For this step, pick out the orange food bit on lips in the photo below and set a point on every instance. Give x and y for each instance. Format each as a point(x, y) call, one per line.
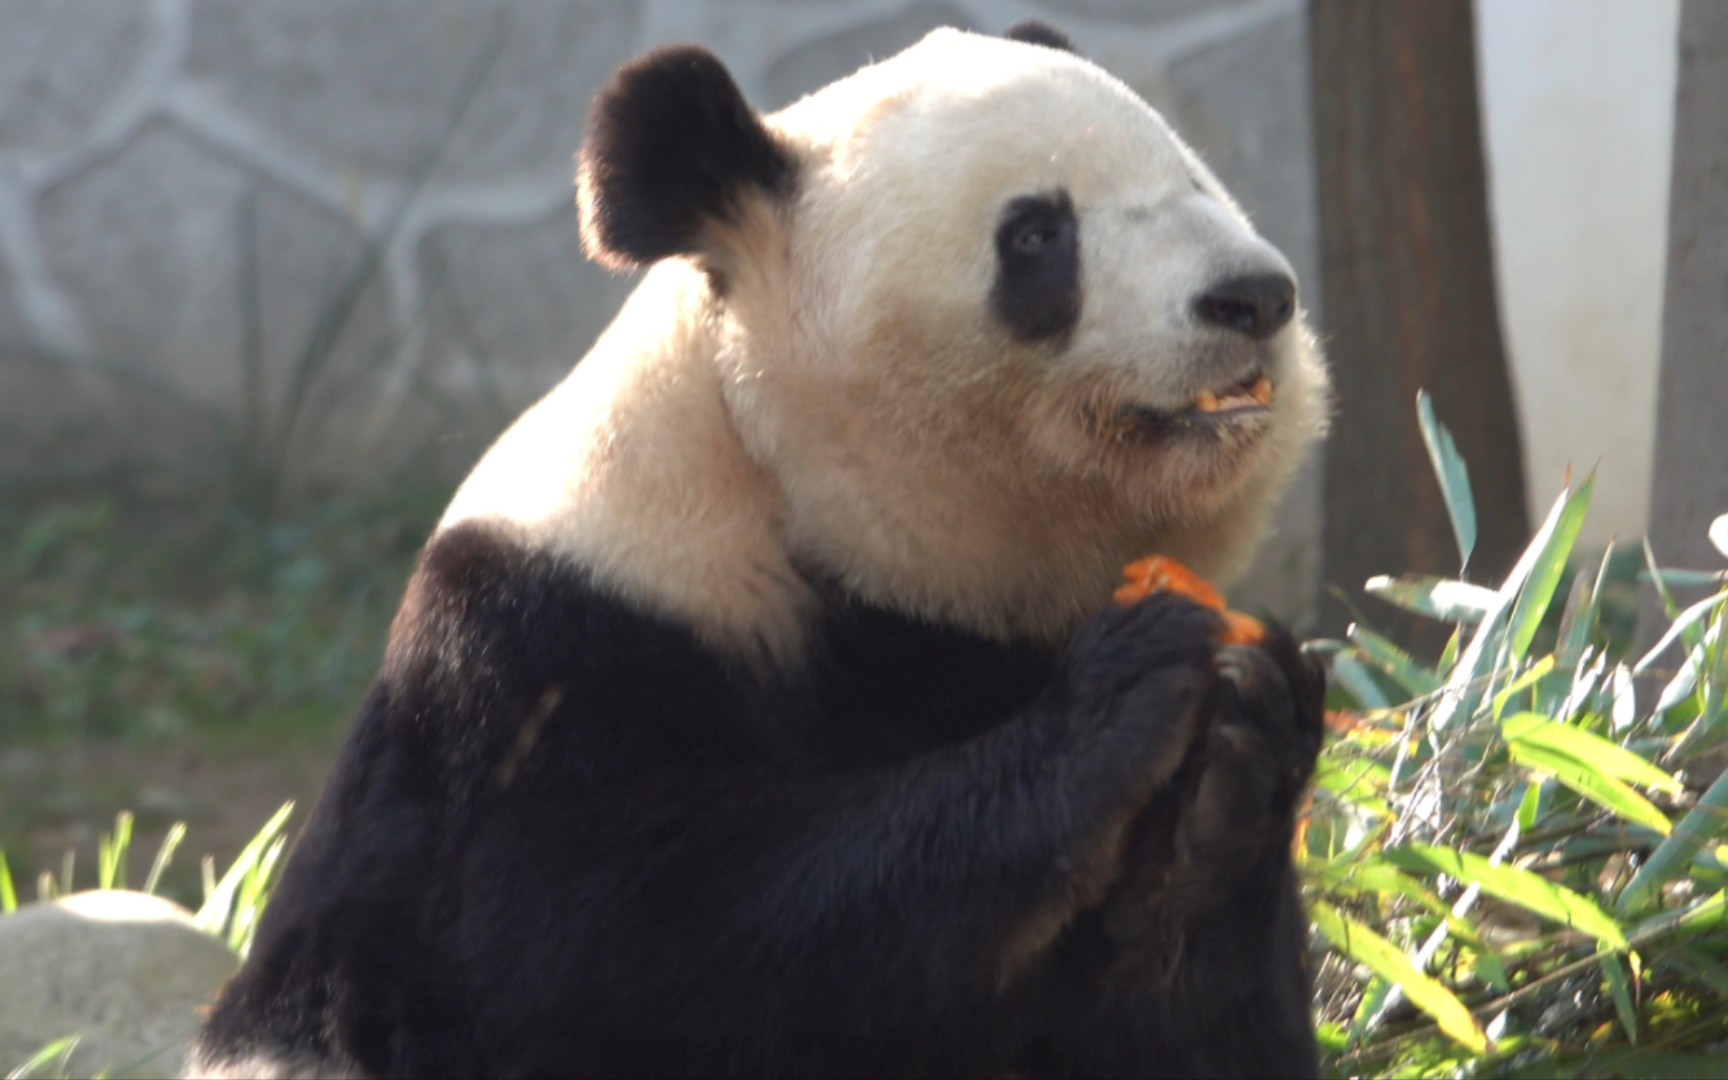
point(1158, 573)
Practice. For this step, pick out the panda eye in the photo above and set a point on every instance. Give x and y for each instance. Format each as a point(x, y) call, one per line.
point(1033, 237)
point(1034, 225)
point(1036, 294)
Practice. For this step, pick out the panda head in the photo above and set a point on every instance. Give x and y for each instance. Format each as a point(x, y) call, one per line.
point(981, 326)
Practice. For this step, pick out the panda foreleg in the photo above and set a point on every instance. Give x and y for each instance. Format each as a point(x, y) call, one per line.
point(899, 920)
point(1196, 962)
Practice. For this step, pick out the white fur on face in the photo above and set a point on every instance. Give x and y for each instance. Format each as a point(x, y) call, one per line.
point(852, 406)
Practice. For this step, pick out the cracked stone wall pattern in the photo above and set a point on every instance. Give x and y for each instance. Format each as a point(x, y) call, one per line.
point(279, 237)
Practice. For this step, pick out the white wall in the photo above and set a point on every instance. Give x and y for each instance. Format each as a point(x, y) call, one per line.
point(1578, 102)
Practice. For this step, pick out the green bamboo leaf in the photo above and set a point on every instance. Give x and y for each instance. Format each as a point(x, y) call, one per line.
point(213, 915)
point(1374, 877)
point(1536, 672)
point(1684, 579)
point(1538, 591)
point(1416, 680)
point(1386, 960)
point(1620, 989)
point(1685, 680)
point(1578, 618)
point(1435, 597)
point(1532, 892)
point(1374, 997)
point(1469, 675)
point(165, 855)
point(1353, 676)
point(1359, 781)
point(1454, 477)
point(8, 892)
point(1607, 757)
point(1530, 806)
point(1615, 796)
point(1682, 624)
point(52, 1059)
point(1702, 824)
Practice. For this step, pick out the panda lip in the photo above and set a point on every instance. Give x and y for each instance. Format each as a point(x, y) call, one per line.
point(1253, 394)
point(1241, 400)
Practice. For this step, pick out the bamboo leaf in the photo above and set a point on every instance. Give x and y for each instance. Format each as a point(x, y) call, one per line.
point(1464, 687)
point(1620, 989)
point(1609, 758)
point(1615, 796)
point(1530, 806)
point(1684, 622)
point(1680, 687)
point(1532, 892)
point(1354, 677)
point(1359, 781)
point(1702, 824)
point(165, 855)
point(1549, 565)
point(1415, 679)
point(1386, 960)
point(213, 915)
point(1435, 597)
point(8, 891)
point(1454, 477)
point(1578, 618)
point(52, 1059)
point(1537, 671)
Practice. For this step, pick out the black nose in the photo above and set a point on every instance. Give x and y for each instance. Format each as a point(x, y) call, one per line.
point(1255, 304)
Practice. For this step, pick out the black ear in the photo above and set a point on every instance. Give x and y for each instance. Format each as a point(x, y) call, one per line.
point(671, 145)
point(1038, 32)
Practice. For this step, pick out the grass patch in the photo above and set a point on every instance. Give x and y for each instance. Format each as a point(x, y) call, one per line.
point(144, 623)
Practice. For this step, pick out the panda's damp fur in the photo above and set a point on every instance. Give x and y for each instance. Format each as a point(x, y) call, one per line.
point(808, 429)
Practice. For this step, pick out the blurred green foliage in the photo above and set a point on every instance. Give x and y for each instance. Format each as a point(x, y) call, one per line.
point(136, 621)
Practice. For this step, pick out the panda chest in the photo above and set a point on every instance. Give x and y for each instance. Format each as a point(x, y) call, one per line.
point(878, 687)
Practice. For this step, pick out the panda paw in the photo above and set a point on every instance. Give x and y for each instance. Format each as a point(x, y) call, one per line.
point(1134, 692)
point(1229, 813)
point(1265, 723)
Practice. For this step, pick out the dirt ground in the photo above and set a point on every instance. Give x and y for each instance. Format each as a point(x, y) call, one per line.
point(55, 800)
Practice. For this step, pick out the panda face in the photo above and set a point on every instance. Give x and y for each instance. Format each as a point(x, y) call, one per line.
point(1013, 295)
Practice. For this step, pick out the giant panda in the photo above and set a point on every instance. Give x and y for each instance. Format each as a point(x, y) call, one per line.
point(759, 706)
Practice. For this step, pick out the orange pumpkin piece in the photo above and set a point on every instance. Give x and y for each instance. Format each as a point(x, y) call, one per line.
point(1158, 573)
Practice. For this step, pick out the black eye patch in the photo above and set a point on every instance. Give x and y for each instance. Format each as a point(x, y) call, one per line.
point(1037, 290)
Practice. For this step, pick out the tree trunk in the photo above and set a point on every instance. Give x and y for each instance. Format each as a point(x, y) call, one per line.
point(1407, 271)
point(1690, 485)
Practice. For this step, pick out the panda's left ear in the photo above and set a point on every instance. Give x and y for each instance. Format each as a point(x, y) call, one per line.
point(672, 147)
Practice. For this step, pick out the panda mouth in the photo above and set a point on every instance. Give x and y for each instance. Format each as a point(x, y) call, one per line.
point(1253, 394)
point(1242, 400)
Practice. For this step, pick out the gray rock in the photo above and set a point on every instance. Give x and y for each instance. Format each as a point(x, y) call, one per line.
point(126, 972)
